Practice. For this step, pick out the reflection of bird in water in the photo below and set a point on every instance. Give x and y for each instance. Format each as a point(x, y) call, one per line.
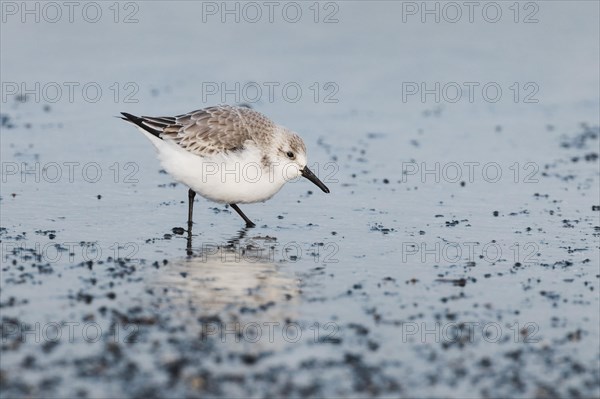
point(238, 275)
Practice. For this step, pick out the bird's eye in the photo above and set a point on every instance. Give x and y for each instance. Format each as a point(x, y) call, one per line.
point(290, 155)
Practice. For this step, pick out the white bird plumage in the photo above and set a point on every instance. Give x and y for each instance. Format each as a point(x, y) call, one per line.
point(227, 154)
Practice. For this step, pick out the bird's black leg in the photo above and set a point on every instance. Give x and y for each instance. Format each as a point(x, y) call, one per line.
point(239, 211)
point(191, 196)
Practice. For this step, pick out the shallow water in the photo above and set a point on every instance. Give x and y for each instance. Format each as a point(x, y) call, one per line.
point(457, 255)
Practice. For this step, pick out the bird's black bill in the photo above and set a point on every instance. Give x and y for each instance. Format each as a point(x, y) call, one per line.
point(311, 176)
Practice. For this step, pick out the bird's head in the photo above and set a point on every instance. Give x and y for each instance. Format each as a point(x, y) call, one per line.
point(291, 154)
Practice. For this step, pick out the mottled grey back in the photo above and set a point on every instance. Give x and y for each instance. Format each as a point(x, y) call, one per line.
point(214, 129)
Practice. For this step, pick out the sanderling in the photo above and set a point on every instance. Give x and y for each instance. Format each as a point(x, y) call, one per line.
point(230, 155)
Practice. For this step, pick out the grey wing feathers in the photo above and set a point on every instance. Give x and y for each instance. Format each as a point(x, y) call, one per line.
point(210, 130)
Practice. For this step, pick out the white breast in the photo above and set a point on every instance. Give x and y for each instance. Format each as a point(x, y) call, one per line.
point(235, 178)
